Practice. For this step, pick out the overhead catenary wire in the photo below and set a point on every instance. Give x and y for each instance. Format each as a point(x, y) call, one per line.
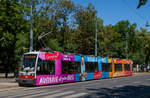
point(134, 11)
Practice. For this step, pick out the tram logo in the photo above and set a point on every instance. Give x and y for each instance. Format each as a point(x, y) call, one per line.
point(52, 56)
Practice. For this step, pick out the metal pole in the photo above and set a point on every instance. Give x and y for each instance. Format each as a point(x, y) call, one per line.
point(96, 39)
point(31, 31)
point(127, 45)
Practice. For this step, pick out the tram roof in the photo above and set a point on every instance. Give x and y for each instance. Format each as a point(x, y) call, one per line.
point(37, 52)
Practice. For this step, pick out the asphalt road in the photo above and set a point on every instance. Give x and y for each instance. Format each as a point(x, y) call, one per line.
point(137, 86)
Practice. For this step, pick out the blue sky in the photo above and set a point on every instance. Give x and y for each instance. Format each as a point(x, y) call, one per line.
point(112, 11)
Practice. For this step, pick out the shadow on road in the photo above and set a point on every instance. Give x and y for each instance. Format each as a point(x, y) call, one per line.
point(140, 91)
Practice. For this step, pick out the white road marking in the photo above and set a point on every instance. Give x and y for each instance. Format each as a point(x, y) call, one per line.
point(148, 79)
point(119, 85)
point(75, 95)
point(58, 94)
point(137, 82)
point(34, 95)
point(18, 93)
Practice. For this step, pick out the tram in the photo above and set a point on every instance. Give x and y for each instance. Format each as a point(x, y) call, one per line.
point(45, 68)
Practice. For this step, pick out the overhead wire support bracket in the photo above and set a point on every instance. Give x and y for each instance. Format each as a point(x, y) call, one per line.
point(41, 40)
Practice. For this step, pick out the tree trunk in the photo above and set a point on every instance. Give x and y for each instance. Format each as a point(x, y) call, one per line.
point(6, 74)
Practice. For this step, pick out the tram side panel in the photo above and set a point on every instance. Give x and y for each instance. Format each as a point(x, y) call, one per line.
point(77, 75)
point(110, 61)
point(71, 68)
point(59, 76)
point(104, 67)
point(44, 77)
point(92, 68)
point(70, 65)
point(128, 68)
point(118, 68)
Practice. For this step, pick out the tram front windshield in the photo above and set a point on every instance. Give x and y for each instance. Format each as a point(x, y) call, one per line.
point(29, 61)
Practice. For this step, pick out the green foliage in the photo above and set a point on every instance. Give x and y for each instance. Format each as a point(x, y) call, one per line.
point(6, 40)
point(21, 43)
point(54, 45)
point(12, 23)
point(72, 30)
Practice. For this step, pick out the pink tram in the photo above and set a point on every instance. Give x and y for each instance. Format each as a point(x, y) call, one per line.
point(44, 68)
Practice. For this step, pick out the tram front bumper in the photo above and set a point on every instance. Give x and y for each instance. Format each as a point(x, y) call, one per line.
point(22, 82)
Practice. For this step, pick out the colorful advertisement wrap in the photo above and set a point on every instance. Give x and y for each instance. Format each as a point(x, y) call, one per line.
point(49, 56)
point(97, 75)
point(110, 60)
point(128, 73)
point(54, 79)
point(118, 61)
point(103, 60)
point(114, 61)
point(52, 56)
point(68, 57)
point(102, 74)
point(77, 58)
point(94, 75)
point(123, 61)
point(90, 59)
point(128, 62)
point(83, 75)
point(118, 74)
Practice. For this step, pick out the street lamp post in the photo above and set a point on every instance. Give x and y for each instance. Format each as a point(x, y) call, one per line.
point(96, 38)
point(31, 31)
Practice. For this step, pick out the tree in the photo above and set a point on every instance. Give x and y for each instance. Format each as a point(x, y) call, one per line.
point(12, 22)
point(52, 16)
point(85, 20)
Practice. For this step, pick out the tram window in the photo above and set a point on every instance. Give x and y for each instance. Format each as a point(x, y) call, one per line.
point(127, 67)
point(106, 67)
point(118, 67)
point(45, 67)
point(91, 66)
point(69, 67)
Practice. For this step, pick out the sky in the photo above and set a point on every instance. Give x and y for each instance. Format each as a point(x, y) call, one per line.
point(112, 11)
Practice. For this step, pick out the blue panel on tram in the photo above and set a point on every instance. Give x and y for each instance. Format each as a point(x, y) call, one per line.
point(77, 58)
point(90, 76)
point(77, 76)
point(105, 74)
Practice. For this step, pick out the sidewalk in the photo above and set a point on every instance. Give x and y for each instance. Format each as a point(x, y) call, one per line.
point(141, 73)
point(8, 84)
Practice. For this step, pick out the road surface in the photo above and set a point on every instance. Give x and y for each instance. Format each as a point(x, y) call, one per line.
point(137, 86)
